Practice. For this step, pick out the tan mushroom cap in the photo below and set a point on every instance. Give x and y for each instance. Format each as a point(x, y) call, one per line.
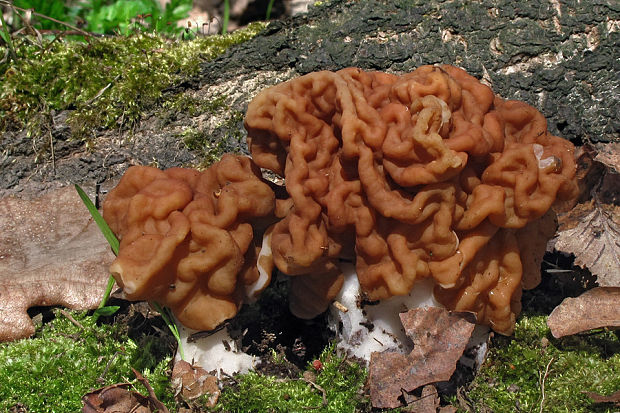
point(428, 174)
point(190, 240)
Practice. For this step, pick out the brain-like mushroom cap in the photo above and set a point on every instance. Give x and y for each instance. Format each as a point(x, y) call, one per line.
point(189, 240)
point(428, 174)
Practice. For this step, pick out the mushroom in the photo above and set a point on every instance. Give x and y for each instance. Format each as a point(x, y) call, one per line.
point(191, 241)
point(426, 181)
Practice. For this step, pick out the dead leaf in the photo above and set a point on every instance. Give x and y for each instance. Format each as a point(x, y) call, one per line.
point(191, 382)
point(609, 155)
point(595, 240)
point(51, 253)
point(598, 307)
point(428, 402)
point(118, 398)
point(591, 230)
point(439, 339)
point(597, 398)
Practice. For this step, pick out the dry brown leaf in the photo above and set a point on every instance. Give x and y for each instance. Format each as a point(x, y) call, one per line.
point(191, 382)
point(51, 253)
point(428, 402)
point(118, 398)
point(595, 240)
point(598, 307)
point(591, 230)
point(609, 155)
point(597, 398)
point(439, 339)
point(115, 398)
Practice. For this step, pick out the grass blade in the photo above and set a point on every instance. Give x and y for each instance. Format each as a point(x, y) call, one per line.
point(103, 226)
point(225, 17)
point(166, 314)
point(109, 236)
point(269, 7)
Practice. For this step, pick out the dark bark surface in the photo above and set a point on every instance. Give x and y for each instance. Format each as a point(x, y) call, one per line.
point(560, 57)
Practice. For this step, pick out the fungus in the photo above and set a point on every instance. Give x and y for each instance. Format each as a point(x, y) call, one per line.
point(191, 241)
point(414, 190)
point(428, 176)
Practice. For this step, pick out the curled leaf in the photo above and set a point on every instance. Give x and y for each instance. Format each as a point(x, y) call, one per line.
point(591, 230)
point(598, 307)
point(439, 338)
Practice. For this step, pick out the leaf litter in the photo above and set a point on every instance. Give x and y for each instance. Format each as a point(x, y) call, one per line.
point(118, 398)
point(191, 382)
point(51, 253)
point(596, 308)
point(591, 232)
point(439, 339)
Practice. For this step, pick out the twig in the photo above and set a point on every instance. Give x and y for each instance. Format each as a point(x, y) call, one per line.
point(101, 378)
point(70, 318)
point(542, 379)
point(152, 396)
point(341, 307)
point(52, 152)
point(323, 393)
point(60, 33)
point(34, 13)
point(202, 334)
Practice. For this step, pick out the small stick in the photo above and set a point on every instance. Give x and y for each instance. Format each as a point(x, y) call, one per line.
point(159, 406)
point(542, 384)
point(323, 393)
point(53, 156)
point(340, 306)
point(70, 318)
point(101, 379)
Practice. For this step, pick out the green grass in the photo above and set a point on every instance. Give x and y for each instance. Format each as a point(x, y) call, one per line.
point(53, 370)
point(512, 375)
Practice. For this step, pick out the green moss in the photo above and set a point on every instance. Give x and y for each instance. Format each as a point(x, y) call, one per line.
point(226, 137)
point(191, 105)
point(512, 375)
point(108, 82)
point(340, 379)
point(52, 371)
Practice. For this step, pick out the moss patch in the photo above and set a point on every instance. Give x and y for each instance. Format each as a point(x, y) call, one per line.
point(511, 378)
point(340, 380)
point(106, 82)
point(52, 371)
point(227, 137)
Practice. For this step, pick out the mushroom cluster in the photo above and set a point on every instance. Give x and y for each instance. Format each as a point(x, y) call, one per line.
point(425, 176)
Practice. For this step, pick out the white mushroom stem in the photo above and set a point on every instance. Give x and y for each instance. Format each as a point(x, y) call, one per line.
point(375, 327)
point(215, 352)
point(364, 329)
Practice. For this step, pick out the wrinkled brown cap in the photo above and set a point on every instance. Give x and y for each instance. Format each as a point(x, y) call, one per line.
point(428, 174)
point(189, 239)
